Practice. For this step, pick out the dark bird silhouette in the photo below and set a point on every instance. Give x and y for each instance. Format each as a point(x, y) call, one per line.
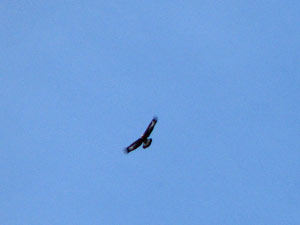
point(144, 138)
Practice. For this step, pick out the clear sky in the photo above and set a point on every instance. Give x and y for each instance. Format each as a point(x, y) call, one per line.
point(81, 80)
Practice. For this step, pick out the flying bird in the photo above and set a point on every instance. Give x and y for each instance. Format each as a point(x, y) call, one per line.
point(144, 139)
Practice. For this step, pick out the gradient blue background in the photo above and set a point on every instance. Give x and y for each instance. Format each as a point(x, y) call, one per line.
point(81, 80)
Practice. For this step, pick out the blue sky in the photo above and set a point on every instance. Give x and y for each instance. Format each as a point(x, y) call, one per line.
point(81, 80)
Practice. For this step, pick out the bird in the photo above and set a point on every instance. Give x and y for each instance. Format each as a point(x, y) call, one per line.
point(144, 139)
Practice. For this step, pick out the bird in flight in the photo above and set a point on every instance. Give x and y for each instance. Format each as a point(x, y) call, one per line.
point(144, 138)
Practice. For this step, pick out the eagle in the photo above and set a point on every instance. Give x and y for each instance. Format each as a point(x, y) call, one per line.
point(144, 139)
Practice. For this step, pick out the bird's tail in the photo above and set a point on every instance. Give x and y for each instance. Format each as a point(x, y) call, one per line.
point(126, 151)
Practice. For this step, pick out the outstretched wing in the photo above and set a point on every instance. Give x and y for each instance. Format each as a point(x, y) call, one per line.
point(150, 128)
point(134, 145)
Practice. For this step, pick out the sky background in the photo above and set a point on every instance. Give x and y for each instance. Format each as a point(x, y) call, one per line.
point(81, 80)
